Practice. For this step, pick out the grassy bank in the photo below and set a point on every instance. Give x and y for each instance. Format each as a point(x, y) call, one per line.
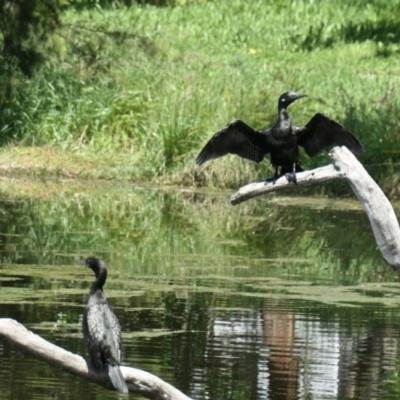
point(134, 93)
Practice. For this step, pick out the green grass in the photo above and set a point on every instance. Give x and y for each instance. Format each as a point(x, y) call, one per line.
point(146, 96)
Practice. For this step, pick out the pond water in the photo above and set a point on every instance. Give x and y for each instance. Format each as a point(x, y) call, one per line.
point(277, 298)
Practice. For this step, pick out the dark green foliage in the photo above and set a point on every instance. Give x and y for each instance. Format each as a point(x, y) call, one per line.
point(25, 26)
point(382, 31)
point(362, 21)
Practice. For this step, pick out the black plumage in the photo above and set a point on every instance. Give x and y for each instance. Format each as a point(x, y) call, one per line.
point(101, 328)
point(281, 141)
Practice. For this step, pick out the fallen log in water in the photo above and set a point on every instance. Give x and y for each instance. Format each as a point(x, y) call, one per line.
point(346, 167)
point(138, 381)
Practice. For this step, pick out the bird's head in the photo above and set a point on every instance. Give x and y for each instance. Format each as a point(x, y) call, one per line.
point(96, 265)
point(288, 98)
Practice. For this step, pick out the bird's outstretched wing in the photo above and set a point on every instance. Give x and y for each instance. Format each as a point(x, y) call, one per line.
point(236, 138)
point(322, 132)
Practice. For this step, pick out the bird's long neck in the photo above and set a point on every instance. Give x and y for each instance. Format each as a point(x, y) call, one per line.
point(284, 121)
point(283, 114)
point(98, 284)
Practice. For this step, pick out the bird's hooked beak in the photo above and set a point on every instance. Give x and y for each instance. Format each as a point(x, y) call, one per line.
point(299, 96)
point(81, 262)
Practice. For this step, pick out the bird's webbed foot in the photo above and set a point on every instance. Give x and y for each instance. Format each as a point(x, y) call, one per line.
point(291, 177)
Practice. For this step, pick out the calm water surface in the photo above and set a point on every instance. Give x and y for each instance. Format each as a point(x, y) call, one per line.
point(278, 298)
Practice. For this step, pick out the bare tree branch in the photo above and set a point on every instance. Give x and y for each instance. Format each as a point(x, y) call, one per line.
point(138, 381)
point(345, 166)
point(306, 178)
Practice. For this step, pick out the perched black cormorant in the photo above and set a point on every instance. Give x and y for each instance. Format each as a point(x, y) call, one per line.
point(101, 328)
point(281, 141)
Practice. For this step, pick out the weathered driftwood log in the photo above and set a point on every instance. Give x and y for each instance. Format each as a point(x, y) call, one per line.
point(138, 381)
point(345, 166)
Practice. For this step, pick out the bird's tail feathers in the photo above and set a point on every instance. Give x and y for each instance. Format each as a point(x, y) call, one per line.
point(116, 378)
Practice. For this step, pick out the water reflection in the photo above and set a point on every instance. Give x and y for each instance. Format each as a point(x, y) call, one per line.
point(282, 353)
point(268, 300)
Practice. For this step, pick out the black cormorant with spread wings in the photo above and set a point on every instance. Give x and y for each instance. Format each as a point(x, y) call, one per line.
point(281, 141)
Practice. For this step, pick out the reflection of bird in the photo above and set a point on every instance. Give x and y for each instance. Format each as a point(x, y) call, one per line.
point(101, 328)
point(281, 141)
